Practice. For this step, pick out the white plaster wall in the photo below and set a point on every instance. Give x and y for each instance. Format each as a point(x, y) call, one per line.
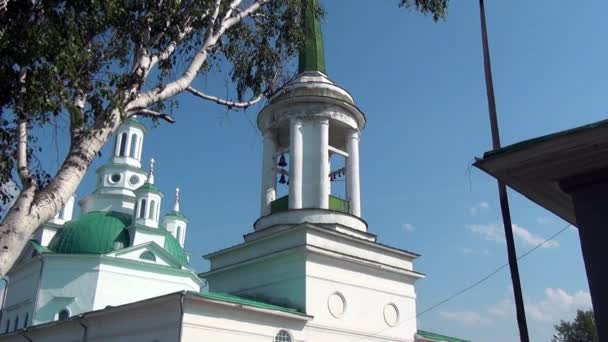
point(204, 321)
point(354, 248)
point(67, 282)
point(248, 251)
point(280, 278)
point(158, 321)
point(45, 233)
point(119, 203)
point(141, 236)
point(119, 285)
point(366, 293)
point(21, 293)
point(135, 256)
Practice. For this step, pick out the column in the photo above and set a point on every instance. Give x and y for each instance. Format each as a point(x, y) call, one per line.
point(295, 163)
point(268, 173)
point(589, 199)
point(324, 185)
point(353, 190)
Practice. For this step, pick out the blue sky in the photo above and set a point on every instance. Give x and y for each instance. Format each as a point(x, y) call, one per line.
point(421, 86)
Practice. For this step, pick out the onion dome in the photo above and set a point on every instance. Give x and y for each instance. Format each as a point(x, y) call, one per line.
point(93, 233)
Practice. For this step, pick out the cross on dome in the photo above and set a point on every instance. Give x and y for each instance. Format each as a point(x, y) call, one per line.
point(151, 172)
point(176, 205)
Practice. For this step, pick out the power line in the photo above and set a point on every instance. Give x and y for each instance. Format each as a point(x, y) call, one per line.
point(475, 284)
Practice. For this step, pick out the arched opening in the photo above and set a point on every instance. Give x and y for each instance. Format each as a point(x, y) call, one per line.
point(178, 234)
point(63, 314)
point(123, 145)
point(152, 213)
point(26, 321)
point(147, 255)
point(142, 209)
point(8, 326)
point(282, 336)
point(133, 151)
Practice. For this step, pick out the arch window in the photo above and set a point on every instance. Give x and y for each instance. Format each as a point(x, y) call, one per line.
point(8, 326)
point(63, 314)
point(283, 336)
point(133, 150)
point(16, 327)
point(123, 145)
point(142, 209)
point(152, 213)
point(178, 233)
point(147, 255)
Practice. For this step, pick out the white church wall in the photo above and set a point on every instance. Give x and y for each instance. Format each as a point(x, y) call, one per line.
point(45, 233)
point(279, 279)
point(124, 281)
point(354, 247)
point(141, 235)
point(358, 300)
point(156, 320)
point(20, 294)
point(205, 321)
point(67, 282)
point(257, 248)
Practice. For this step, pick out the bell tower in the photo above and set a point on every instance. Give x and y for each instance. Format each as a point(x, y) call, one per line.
point(310, 129)
point(311, 250)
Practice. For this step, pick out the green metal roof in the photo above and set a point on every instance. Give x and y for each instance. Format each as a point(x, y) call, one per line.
point(176, 214)
point(93, 233)
point(229, 298)
point(39, 248)
point(312, 55)
point(173, 247)
point(103, 232)
point(439, 337)
point(148, 187)
point(526, 143)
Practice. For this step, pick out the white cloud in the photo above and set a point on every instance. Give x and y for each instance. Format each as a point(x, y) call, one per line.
point(495, 232)
point(408, 227)
point(490, 232)
point(464, 317)
point(478, 207)
point(556, 305)
point(531, 239)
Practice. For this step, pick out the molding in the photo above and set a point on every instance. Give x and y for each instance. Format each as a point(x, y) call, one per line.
point(300, 317)
point(362, 335)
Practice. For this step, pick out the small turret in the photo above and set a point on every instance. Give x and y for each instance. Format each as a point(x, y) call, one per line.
point(175, 222)
point(147, 202)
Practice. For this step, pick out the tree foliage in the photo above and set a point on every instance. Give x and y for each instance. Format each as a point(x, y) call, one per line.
point(93, 63)
point(581, 329)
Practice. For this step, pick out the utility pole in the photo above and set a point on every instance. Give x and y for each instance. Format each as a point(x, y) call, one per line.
point(502, 189)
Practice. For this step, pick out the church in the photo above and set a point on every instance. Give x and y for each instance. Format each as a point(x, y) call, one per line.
point(309, 270)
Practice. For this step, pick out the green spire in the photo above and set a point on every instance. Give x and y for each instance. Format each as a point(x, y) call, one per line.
point(312, 56)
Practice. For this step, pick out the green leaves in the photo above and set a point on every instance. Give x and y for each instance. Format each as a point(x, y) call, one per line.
point(437, 8)
point(579, 330)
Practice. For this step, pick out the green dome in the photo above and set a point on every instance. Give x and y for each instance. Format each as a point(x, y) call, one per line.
point(173, 247)
point(104, 232)
point(93, 233)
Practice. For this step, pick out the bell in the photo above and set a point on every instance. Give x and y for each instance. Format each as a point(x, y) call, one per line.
point(282, 162)
point(282, 180)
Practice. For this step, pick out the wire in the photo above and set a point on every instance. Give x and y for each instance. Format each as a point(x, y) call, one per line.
point(475, 284)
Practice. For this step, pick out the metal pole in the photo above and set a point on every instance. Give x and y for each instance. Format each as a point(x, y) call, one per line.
point(502, 190)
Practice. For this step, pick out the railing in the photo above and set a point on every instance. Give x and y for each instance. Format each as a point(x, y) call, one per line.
point(335, 204)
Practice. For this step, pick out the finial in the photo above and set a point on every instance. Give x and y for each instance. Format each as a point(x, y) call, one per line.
point(151, 172)
point(176, 205)
point(312, 55)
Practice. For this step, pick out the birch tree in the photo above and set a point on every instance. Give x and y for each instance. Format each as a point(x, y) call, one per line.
point(95, 63)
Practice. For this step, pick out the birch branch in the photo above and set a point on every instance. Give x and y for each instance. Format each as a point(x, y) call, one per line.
point(155, 114)
point(177, 86)
point(227, 103)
